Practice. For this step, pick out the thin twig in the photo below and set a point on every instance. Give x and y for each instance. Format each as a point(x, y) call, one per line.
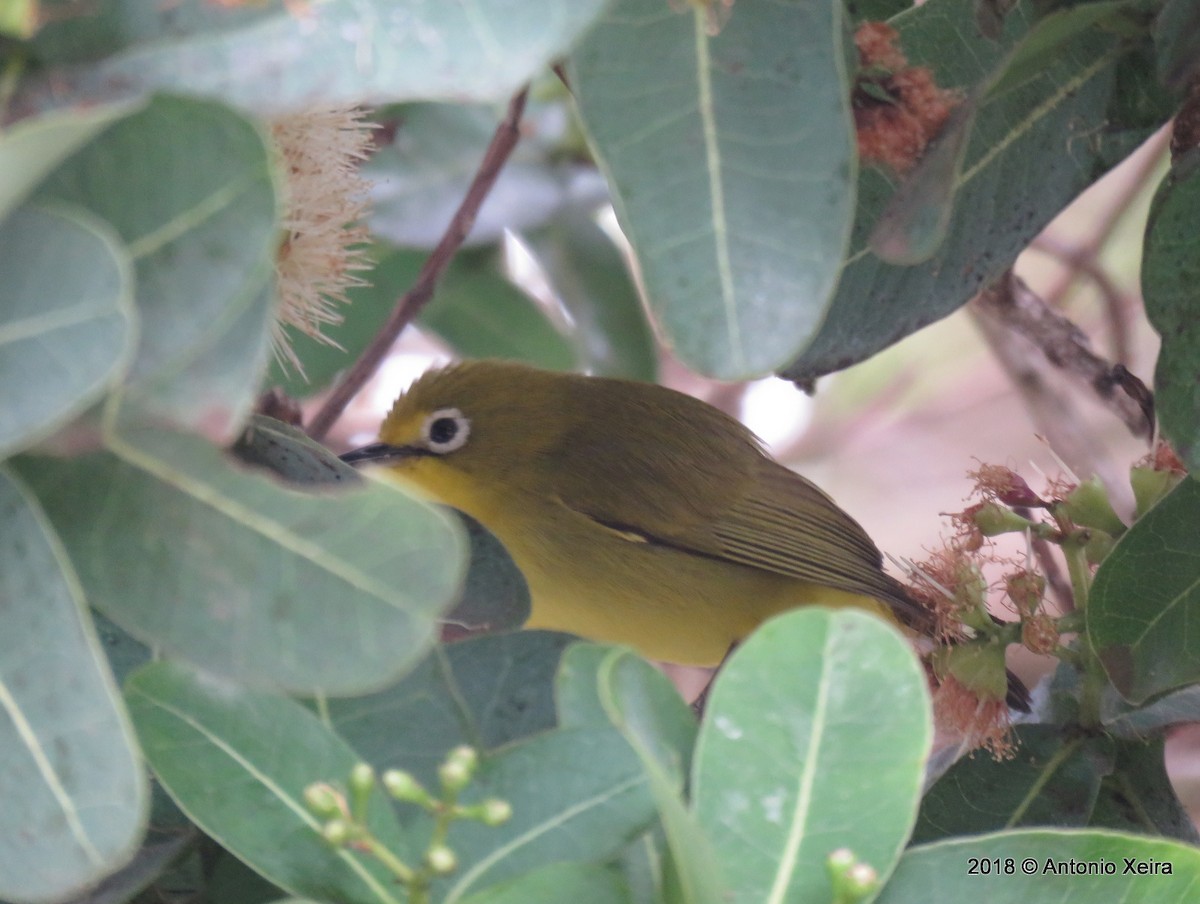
point(1115, 303)
point(502, 144)
point(1013, 305)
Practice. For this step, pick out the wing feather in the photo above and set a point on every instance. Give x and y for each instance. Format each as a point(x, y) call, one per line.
point(703, 485)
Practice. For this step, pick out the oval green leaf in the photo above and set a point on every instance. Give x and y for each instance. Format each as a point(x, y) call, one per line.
point(278, 56)
point(1051, 780)
point(1170, 274)
point(1068, 117)
point(578, 794)
point(75, 795)
point(1046, 866)
point(32, 148)
point(189, 186)
point(67, 324)
point(578, 883)
point(484, 691)
point(814, 738)
point(335, 593)
point(238, 762)
point(731, 162)
point(602, 685)
point(591, 277)
point(1146, 597)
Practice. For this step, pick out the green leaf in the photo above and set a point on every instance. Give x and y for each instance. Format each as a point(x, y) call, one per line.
point(1137, 796)
point(874, 10)
point(476, 310)
point(276, 56)
point(815, 738)
point(334, 592)
point(914, 223)
point(1170, 276)
point(75, 796)
point(189, 187)
point(1032, 150)
point(941, 873)
point(1177, 42)
point(1140, 627)
point(494, 594)
point(289, 452)
point(67, 325)
point(31, 148)
point(420, 179)
point(1136, 722)
point(563, 810)
point(731, 162)
point(1051, 780)
point(152, 861)
point(599, 684)
point(593, 283)
point(483, 691)
point(238, 762)
point(230, 881)
point(578, 883)
point(480, 313)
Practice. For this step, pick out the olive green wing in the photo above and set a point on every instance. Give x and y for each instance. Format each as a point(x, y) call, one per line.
point(688, 476)
point(786, 524)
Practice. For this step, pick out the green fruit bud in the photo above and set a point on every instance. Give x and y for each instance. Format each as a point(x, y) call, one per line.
point(362, 779)
point(861, 880)
point(993, 519)
point(441, 859)
point(1088, 506)
point(403, 786)
point(841, 860)
point(495, 812)
point(978, 666)
point(455, 773)
point(1098, 546)
point(1149, 486)
point(323, 801)
point(337, 832)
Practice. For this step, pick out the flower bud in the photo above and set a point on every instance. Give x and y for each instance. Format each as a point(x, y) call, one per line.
point(403, 786)
point(978, 666)
point(1025, 589)
point(494, 812)
point(1098, 546)
point(1039, 635)
point(336, 832)
point(362, 779)
point(1088, 506)
point(1007, 486)
point(455, 773)
point(1149, 486)
point(992, 519)
point(441, 859)
point(861, 880)
point(323, 801)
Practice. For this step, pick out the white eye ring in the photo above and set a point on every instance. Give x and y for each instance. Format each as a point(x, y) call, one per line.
point(445, 430)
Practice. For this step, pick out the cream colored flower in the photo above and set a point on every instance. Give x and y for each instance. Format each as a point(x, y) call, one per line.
point(325, 233)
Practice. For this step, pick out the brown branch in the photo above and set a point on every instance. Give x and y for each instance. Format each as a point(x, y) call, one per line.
point(1010, 304)
point(1083, 261)
point(503, 141)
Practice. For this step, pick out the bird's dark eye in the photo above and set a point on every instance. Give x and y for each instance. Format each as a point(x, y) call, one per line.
point(443, 430)
point(446, 430)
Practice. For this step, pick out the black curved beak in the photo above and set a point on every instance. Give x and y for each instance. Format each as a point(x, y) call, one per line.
point(379, 453)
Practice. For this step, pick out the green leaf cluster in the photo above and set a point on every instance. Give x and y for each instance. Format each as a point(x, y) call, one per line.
point(202, 612)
